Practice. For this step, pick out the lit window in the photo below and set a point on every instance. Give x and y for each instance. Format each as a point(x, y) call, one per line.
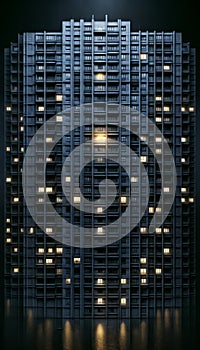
point(123, 200)
point(59, 98)
point(41, 250)
point(143, 159)
point(68, 281)
point(182, 160)
point(21, 230)
point(183, 200)
point(77, 260)
point(59, 200)
point(8, 230)
point(158, 230)
point(8, 109)
point(15, 199)
point(40, 67)
point(166, 68)
point(158, 119)
point(143, 229)
point(158, 139)
point(158, 109)
point(182, 109)
point(123, 280)
point(100, 229)
point(40, 108)
point(123, 301)
point(158, 271)
point(49, 230)
point(191, 200)
point(49, 139)
point(183, 139)
point(48, 159)
point(100, 137)
point(134, 179)
point(59, 250)
point(143, 281)
point(183, 189)
point(15, 250)
point(166, 230)
point(21, 118)
point(158, 210)
point(59, 271)
point(50, 250)
point(100, 281)
point(143, 138)
point(41, 189)
point(191, 109)
point(8, 240)
point(143, 261)
point(166, 189)
point(49, 189)
point(158, 151)
point(151, 210)
point(21, 128)
point(166, 108)
point(68, 179)
point(40, 200)
point(22, 149)
point(99, 301)
point(100, 76)
point(49, 261)
point(143, 271)
point(166, 251)
point(8, 220)
point(158, 98)
point(99, 210)
point(16, 270)
point(59, 118)
point(31, 230)
point(8, 179)
point(77, 200)
point(16, 160)
point(143, 56)
point(8, 149)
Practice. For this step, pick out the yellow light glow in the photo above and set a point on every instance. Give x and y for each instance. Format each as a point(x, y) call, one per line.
point(100, 137)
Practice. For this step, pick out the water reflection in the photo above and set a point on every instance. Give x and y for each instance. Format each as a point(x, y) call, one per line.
point(167, 331)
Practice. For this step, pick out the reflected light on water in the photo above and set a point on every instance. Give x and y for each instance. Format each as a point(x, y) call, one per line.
point(100, 339)
point(67, 336)
point(123, 336)
point(144, 335)
point(167, 319)
point(48, 334)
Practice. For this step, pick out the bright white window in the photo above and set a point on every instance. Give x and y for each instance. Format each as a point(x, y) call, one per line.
point(166, 108)
point(41, 250)
point(158, 119)
point(158, 210)
point(143, 261)
point(158, 98)
point(158, 139)
point(15, 199)
point(123, 200)
point(151, 210)
point(49, 261)
point(166, 230)
point(8, 240)
point(182, 109)
point(134, 179)
point(68, 281)
point(8, 230)
point(77, 200)
point(100, 76)
point(191, 200)
point(143, 56)
point(143, 138)
point(16, 160)
point(143, 271)
point(166, 251)
point(49, 230)
point(100, 281)
point(183, 200)
point(68, 179)
point(166, 68)
point(77, 260)
point(7, 149)
point(8, 179)
point(15, 250)
point(59, 250)
point(15, 270)
point(183, 139)
point(158, 271)
point(166, 189)
point(123, 301)
point(59, 118)
point(183, 189)
point(100, 229)
point(99, 210)
point(8, 109)
point(123, 280)
point(49, 139)
point(191, 109)
point(50, 250)
point(8, 220)
point(143, 159)
point(31, 230)
point(158, 230)
point(158, 151)
point(143, 281)
point(40, 108)
point(99, 301)
point(59, 98)
point(182, 160)
point(143, 229)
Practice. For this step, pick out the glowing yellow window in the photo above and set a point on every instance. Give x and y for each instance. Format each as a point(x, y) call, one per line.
point(41, 250)
point(8, 220)
point(166, 251)
point(158, 210)
point(166, 230)
point(77, 200)
point(59, 250)
point(166, 68)
point(31, 230)
point(49, 230)
point(8, 179)
point(143, 261)
point(16, 160)
point(143, 271)
point(100, 76)
point(183, 109)
point(183, 139)
point(99, 301)
point(143, 159)
point(166, 108)
point(143, 56)
point(143, 230)
point(158, 119)
point(8, 230)
point(158, 98)
point(191, 109)
point(183, 200)
point(134, 179)
point(123, 301)
point(143, 138)
point(59, 118)
point(59, 98)
point(158, 139)
point(100, 137)
point(8, 108)
point(68, 281)
point(158, 271)
point(15, 270)
point(183, 189)
point(100, 281)
point(8, 240)
point(8, 149)
point(182, 160)
point(123, 200)
point(143, 281)
point(68, 179)
point(49, 139)
point(100, 230)
point(40, 108)
point(191, 200)
point(99, 210)
point(166, 189)
point(15, 250)
point(151, 210)
point(16, 199)
point(50, 250)
point(77, 260)
point(49, 261)
point(158, 150)
point(123, 280)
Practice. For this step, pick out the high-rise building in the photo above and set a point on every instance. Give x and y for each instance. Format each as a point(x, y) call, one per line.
point(91, 62)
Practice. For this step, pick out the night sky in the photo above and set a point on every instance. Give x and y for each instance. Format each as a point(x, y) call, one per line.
point(18, 16)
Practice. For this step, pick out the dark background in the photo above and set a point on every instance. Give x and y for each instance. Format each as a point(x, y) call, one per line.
point(17, 16)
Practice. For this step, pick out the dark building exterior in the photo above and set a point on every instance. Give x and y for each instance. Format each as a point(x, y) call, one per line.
point(89, 62)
